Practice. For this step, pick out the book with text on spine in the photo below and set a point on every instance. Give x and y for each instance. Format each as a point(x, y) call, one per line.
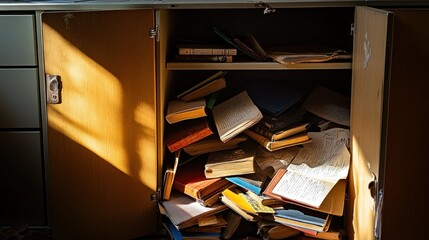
point(205, 49)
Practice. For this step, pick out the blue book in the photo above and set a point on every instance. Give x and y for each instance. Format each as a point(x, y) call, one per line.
point(178, 235)
point(301, 214)
point(246, 183)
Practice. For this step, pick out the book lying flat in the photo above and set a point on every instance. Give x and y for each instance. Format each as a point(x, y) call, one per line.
point(298, 139)
point(212, 144)
point(281, 134)
point(205, 49)
point(232, 162)
point(178, 110)
point(184, 133)
point(175, 234)
point(235, 115)
point(191, 181)
point(184, 211)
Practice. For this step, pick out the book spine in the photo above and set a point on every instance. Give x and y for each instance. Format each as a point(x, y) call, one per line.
point(208, 51)
point(189, 139)
point(204, 58)
point(263, 132)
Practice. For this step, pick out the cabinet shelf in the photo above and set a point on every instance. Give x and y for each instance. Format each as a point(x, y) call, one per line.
point(256, 66)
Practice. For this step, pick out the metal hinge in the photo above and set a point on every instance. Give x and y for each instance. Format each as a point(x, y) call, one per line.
point(153, 33)
point(156, 196)
point(352, 29)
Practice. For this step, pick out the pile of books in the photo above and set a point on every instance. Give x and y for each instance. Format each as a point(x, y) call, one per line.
point(231, 175)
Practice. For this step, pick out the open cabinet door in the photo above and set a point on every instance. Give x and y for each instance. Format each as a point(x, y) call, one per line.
point(102, 136)
point(369, 67)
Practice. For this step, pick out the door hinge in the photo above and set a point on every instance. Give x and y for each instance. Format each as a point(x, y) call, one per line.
point(153, 33)
point(156, 196)
point(352, 29)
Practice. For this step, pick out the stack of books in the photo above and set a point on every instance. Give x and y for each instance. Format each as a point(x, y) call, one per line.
point(204, 52)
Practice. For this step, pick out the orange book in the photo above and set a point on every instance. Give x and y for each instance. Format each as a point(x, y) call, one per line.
point(190, 180)
point(184, 133)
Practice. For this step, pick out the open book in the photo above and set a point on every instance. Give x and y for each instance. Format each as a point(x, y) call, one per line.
point(316, 170)
point(235, 115)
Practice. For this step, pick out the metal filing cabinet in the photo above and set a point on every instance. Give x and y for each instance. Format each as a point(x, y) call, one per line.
point(22, 181)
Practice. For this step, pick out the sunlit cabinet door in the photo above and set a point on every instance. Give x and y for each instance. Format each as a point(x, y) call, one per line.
point(368, 83)
point(102, 136)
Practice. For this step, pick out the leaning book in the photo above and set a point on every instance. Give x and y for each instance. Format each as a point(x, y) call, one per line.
point(235, 115)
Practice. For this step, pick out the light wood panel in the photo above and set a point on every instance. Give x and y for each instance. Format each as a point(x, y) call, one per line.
point(369, 59)
point(102, 137)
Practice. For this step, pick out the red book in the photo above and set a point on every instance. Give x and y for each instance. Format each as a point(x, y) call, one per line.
point(190, 180)
point(184, 133)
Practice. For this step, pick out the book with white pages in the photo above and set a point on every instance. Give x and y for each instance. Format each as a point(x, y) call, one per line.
point(235, 115)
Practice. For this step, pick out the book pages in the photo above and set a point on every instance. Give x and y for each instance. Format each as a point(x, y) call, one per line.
point(235, 115)
point(316, 168)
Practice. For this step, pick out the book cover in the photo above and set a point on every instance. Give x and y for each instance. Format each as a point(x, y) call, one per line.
point(190, 180)
point(289, 117)
point(232, 162)
point(298, 139)
point(175, 234)
point(169, 176)
point(273, 99)
point(202, 83)
point(213, 144)
point(332, 204)
point(184, 211)
point(235, 115)
point(283, 133)
point(184, 133)
point(302, 214)
point(209, 88)
point(204, 58)
point(178, 110)
point(205, 49)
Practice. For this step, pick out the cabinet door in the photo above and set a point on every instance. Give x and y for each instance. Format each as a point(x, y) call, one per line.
point(102, 137)
point(368, 81)
point(21, 179)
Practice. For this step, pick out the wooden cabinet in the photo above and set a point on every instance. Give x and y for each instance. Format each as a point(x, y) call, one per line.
point(106, 144)
point(103, 136)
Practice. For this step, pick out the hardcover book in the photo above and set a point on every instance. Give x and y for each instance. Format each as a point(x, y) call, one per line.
point(205, 49)
point(200, 85)
point(169, 176)
point(238, 161)
point(191, 181)
point(184, 133)
point(294, 140)
point(178, 110)
point(213, 144)
point(281, 134)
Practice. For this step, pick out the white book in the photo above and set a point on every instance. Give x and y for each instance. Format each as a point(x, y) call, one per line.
point(235, 115)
